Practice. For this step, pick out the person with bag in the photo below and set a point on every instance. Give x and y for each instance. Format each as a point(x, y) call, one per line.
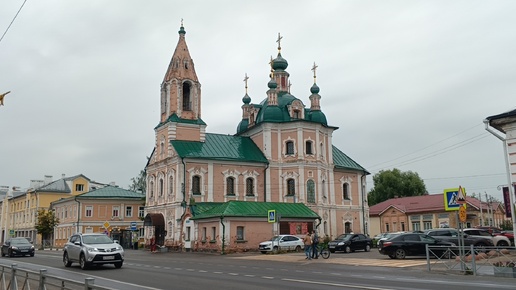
point(315, 244)
point(307, 240)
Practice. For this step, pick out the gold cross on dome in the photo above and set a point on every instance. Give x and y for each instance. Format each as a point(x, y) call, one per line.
point(245, 80)
point(279, 41)
point(314, 68)
point(181, 22)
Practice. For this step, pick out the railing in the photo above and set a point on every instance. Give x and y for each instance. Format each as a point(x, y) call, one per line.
point(12, 278)
point(470, 260)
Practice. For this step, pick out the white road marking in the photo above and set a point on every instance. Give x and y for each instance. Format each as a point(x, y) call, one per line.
point(337, 284)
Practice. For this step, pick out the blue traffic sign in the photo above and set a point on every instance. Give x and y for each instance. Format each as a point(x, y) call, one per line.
point(271, 216)
point(133, 226)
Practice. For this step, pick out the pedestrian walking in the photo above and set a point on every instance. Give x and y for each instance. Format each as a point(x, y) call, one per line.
point(307, 240)
point(315, 243)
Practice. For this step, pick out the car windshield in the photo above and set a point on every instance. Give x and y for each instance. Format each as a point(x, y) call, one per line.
point(344, 237)
point(97, 239)
point(20, 242)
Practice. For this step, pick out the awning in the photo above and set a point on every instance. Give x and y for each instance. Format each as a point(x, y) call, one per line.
point(154, 219)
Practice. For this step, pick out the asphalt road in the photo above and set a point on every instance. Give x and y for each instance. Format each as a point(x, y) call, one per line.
point(372, 271)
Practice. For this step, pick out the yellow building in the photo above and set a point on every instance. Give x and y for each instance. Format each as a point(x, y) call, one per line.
point(19, 209)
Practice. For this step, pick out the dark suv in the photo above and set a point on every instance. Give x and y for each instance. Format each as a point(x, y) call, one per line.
point(92, 249)
point(452, 235)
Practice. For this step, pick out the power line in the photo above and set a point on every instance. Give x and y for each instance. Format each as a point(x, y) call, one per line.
point(12, 20)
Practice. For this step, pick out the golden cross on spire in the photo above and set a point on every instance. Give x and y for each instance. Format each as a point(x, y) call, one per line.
point(289, 85)
point(245, 80)
point(314, 68)
point(181, 22)
point(272, 70)
point(279, 42)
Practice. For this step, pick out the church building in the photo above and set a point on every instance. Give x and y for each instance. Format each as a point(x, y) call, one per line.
point(278, 174)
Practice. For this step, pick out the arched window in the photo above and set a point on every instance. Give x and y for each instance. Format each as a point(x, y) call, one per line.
point(308, 148)
point(230, 186)
point(186, 97)
point(296, 114)
point(291, 186)
point(310, 191)
point(290, 147)
point(196, 184)
point(347, 228)
point(345, 191)
point(151, 189)
point(161, 187)
point(249, 187)
point(171, 185)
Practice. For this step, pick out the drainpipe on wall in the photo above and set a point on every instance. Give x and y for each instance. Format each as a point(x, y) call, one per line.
point(78, 214)
point(223, 234)
point(183, 203)
point(265, 183)
point(507, 164)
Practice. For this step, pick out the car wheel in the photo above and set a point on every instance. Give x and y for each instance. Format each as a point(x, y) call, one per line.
point(275, 250)
point(332, 251)
point(118, 265)
point(10, 253)
point(502, 244)
point(66, 261)
point(400, 254)
point(32, 255)
point(3, 255)
point(298, 249)
point(347, 249)
point(82, 262)
point(264, 252)
point(392, 256)
point(367, 248)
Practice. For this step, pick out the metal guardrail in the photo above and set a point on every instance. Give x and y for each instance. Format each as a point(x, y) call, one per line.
point(470, 260)
point(13, 278)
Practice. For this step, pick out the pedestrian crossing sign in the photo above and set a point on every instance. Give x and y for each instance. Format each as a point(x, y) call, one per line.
point(453, 198)
point(271, 216)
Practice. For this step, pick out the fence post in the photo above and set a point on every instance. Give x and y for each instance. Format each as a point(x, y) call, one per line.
point(473, 262)
point(89, 282)
point(42, 279)
point(14, 285)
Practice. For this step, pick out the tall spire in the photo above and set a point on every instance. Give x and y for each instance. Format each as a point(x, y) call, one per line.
point(181, 65)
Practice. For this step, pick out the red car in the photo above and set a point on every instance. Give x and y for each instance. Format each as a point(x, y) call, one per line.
point(510, 235)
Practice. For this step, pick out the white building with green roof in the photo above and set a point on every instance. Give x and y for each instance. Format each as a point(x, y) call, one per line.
point(281, 154)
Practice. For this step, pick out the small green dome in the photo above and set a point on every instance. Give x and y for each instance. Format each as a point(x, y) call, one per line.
point(242, 126)
point(279, 63)
point(319, 117)
point(182, 30)
point(272, 113)
point(246, 99)
point(272, 84)
point(314, 89)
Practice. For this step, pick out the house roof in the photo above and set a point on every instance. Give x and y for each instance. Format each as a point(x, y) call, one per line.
point(220, 147)
point(421, 204)
point(112, 192)
point(341, 160)
point(499, 121)
point(203, 210)
point(55, 186)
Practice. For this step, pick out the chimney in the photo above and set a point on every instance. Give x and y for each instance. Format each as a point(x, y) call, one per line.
point(62, 175)
point(48, 179)
point(36, 183)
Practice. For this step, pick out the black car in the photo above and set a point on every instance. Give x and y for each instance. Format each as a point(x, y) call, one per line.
point(350, 243)
point(452, 235)
point(17, 247)
point(412, 244)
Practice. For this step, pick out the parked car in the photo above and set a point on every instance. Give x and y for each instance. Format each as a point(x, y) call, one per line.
point(452, 235)
point(498, 240)
point(92, 249)
point(412, 244)
point(491, 230)
point(282, 242)
point(350, 243)
point(17, 247)
point(509, 235)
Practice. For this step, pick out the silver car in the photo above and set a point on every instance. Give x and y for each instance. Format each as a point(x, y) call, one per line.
point(92, 249)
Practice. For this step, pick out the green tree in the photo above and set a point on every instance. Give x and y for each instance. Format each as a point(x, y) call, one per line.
point(139, 182)
point(46, 223)
point(391, 183)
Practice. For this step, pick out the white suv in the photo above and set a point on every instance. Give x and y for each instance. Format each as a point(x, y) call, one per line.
point(498, 241)
point(92, 249)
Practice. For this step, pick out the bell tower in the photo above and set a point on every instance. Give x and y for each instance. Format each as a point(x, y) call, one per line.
point(181, 96)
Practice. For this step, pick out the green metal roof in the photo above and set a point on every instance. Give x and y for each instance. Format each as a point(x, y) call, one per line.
point(221, 147)
point(176, 119)
point(112, 192)
point(341, 160)
point(203, 210)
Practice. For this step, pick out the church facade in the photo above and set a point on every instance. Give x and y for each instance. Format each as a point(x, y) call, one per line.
point(212, 189)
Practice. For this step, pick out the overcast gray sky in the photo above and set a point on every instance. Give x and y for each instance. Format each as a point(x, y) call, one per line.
point(408, 83)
